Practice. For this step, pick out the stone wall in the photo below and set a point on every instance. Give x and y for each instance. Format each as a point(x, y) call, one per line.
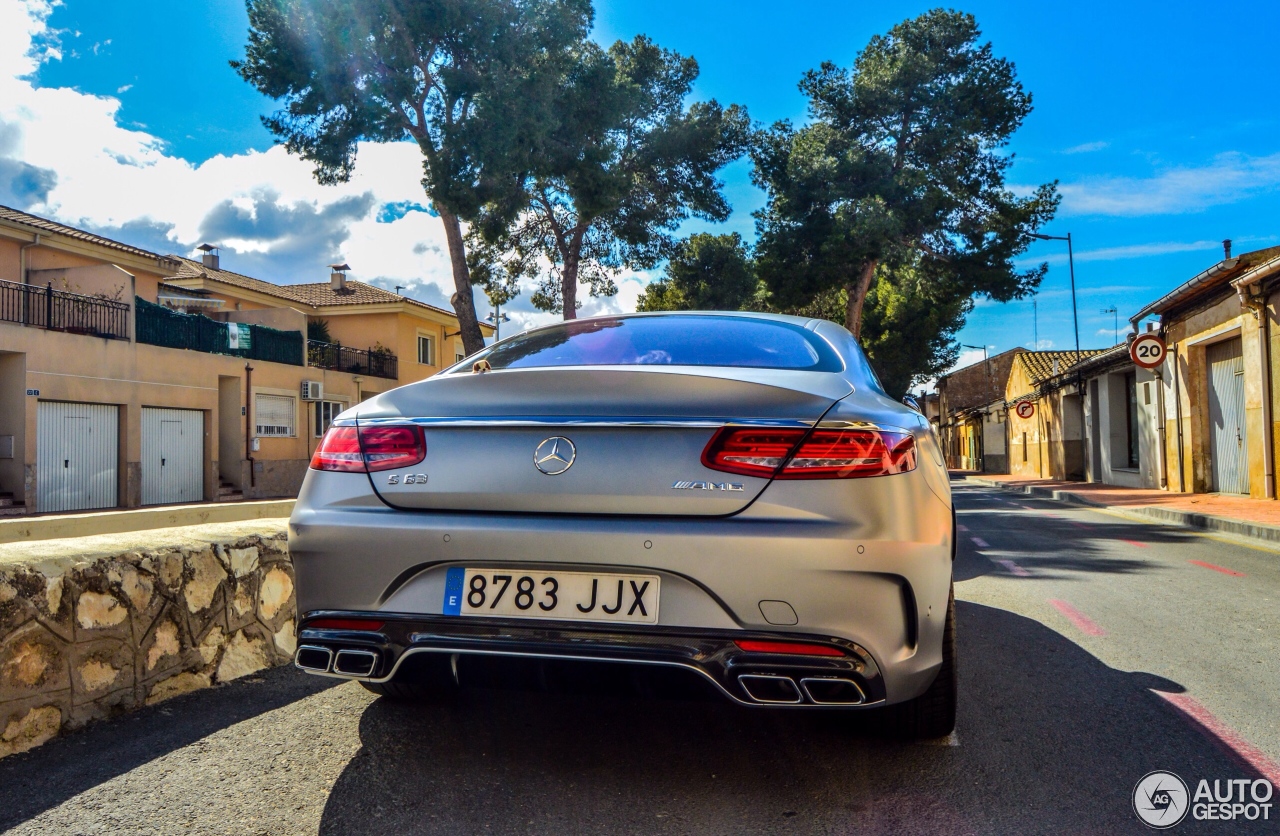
point(94, 627)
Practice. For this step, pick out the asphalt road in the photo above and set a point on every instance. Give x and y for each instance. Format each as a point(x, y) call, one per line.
point(1093, 650)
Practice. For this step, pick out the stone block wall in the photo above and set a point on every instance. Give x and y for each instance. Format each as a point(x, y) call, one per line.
point(90, 636)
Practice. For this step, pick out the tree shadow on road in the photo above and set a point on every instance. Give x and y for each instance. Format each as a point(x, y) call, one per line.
point(43, 778)
point(1049, 740)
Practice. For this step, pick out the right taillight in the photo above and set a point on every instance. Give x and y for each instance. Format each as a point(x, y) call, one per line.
point(369, 449)
point(822, 454)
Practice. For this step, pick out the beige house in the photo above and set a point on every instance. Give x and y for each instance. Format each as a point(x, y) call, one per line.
point(129, 378)
point(1046, 416)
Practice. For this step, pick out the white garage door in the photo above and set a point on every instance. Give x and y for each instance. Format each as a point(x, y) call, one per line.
point(172, 456)
point(77, 456)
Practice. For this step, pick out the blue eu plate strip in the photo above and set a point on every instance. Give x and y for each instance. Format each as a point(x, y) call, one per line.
point(453, 590)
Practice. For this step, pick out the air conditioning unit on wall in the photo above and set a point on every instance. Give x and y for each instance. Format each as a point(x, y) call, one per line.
point(312, 390)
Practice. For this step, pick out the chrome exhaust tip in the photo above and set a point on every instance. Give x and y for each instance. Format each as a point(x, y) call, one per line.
point(355, 662)
point(831, 690)
point(770, 688)
point(313, 659)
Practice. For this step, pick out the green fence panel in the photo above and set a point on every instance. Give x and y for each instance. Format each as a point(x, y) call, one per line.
point(157, 325)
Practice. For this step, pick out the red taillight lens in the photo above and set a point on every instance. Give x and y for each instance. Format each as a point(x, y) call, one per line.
point(848, 454)
point(387, 448)
point(343, 624)
point(792, 648)
point(824, 454)
point(384, 448)
point(339, 450)
point(749, 451)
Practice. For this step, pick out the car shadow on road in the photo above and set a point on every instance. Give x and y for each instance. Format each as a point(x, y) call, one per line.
point(1049, 740)
point(35, 781)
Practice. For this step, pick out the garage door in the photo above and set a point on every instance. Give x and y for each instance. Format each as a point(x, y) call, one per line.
point(77, 456)
point(172, 456)
point(1227, 442)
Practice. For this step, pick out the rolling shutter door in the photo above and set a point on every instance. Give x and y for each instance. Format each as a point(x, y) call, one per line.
point(77, 456)
point(172, 456)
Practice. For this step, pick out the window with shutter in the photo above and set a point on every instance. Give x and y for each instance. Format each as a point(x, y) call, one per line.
point(274, 415)
point(426, 351)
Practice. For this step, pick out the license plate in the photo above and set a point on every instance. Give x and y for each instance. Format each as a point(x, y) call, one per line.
point(566, 596)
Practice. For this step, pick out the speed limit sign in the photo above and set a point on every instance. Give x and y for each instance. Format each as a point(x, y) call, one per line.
point(1147, 351)
point(1025, 409)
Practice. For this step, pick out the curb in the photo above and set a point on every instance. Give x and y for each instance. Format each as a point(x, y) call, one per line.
point(1184, 519)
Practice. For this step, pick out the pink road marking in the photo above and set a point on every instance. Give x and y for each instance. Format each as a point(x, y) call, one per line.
point(1135, 543)
point(1014, 568)
point(1223, 734)
point(1224, 571)
point(1077, 618)
point(980, 543)
point(961, 528)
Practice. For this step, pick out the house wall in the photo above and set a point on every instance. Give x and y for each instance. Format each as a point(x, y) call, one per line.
point(1188, 336)
point(995, 453)
point(1106, 429)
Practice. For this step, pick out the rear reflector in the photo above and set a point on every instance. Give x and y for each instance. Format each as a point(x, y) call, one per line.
point(344, 624)
point(369, 449)
point(792, 648)
point(823, 454)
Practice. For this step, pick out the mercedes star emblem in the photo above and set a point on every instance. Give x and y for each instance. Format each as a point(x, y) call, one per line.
point(554, 455)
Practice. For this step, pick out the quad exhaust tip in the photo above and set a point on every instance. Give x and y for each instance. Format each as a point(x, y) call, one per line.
point(775, 689)
point(346, 662)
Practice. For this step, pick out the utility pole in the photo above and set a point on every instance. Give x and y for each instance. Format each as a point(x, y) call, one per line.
point(1035, 323)
point(1071, 264)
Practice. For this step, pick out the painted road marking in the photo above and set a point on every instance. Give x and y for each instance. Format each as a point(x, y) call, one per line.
point(1193, 710)
point(980, 543)
point(1014, 568)
point(1224, 571)
point(1077, 618)
point(1135, 543)
point(962, 528)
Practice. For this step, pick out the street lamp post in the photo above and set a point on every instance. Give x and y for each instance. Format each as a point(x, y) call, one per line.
point(1115, 324)
point(495, 318)
point(1071, 266)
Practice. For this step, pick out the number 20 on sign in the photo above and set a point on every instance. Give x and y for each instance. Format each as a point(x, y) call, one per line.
point(1147, 351)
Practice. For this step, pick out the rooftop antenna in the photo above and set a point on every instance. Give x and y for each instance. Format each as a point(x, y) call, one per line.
point(1035, 323)
point(1115, 325)
point(399, 288)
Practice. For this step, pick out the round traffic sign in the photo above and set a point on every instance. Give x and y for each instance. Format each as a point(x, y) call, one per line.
point(1147, 350)
point(1025, 409)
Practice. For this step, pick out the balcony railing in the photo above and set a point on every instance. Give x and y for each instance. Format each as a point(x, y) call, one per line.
point(339, 358)
point(61, 310)
point(157, 325)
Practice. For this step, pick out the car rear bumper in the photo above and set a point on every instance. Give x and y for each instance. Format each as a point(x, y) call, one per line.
point(749, 678)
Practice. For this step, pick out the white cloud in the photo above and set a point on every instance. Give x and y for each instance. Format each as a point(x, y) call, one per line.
point(63, 154)
point(1229, 178)
point(1086, 147)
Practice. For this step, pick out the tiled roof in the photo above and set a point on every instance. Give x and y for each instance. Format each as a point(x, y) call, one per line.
point(1040, 364)
point(316, 294)
point(45, 225)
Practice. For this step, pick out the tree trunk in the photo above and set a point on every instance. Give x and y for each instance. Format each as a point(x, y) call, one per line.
point(464, 303)
point(857, 292)
point(569, 286)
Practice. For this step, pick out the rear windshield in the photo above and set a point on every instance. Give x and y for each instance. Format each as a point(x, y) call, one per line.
point(687, 340)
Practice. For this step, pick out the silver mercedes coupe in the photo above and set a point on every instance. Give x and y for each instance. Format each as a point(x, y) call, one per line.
point(731, 494)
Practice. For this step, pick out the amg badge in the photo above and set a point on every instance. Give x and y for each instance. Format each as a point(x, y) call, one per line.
point(707, 486)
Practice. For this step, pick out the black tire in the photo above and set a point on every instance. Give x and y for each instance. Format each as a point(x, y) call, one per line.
point(426, 678)
point(933, 713)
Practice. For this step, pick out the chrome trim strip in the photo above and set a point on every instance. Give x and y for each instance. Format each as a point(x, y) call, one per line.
point(804, 683)
point(772, 678)
point(572, 421)
point(575, 658)
point(328, 665)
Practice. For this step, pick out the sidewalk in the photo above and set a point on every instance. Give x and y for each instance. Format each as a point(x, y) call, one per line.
point(1255, 518)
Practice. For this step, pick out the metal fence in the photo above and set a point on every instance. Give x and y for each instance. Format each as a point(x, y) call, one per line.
point(61, 310)
point(339, 358)
point(157, 325)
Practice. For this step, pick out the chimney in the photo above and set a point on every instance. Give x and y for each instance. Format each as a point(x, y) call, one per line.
point(338, 277)
point(1226, 249)
point(210, 257)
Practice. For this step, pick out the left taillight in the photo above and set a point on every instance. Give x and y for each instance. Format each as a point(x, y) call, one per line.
point(819, 454)
point(369, 449)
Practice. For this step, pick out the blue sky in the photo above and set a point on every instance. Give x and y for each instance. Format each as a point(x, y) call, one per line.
point(1158, 120)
